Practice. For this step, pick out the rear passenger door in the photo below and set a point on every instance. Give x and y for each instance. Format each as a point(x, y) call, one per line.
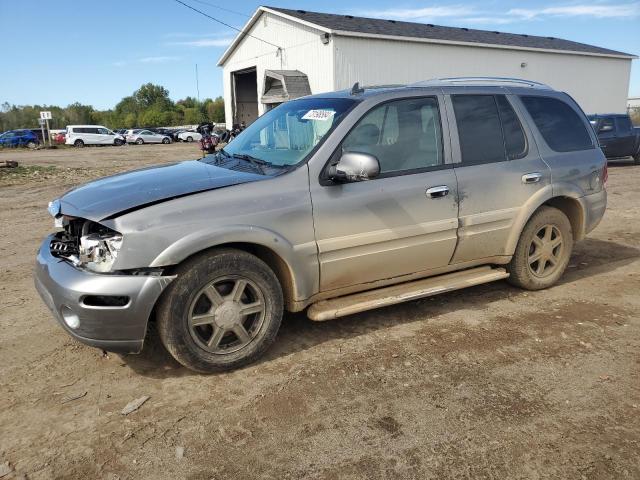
point(626, 137)
point(498, 169)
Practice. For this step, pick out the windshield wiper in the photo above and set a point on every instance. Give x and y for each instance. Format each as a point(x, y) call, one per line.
point(256, 162)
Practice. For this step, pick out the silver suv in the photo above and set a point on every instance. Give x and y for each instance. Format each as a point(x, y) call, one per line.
point(335, 203)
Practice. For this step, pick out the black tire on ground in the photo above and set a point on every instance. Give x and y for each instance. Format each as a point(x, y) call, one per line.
point(189, 139)
point(139, 141)
point(78, 143)
point(166, 140)
point(118, 143)
point(31, 145)
point(190, 295)
point(543, 250)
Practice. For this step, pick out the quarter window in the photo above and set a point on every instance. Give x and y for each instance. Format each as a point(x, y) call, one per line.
point(403, 135)
point(514, 140)
point(560, 125)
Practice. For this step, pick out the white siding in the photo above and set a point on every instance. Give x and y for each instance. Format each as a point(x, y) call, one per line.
point(303, 50)
point(598, 84)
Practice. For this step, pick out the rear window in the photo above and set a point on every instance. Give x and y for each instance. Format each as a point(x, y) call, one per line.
point(558, 123)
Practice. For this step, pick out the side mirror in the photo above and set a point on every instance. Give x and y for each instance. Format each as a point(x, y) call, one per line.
point(355, 167)
point(605, 128)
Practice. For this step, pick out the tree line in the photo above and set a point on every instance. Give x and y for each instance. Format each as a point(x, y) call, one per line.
point(149, 106)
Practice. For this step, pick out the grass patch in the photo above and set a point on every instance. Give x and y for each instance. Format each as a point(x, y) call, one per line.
point(27, 172)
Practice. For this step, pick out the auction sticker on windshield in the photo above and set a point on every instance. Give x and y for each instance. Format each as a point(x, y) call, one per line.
point(322, 115)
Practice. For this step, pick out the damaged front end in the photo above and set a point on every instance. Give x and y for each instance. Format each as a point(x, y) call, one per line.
point(86, 244)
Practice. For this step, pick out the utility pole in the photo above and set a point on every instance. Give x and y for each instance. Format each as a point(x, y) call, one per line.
point(197, 83)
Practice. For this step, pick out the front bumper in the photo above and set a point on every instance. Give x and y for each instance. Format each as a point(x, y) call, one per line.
point(122, 329)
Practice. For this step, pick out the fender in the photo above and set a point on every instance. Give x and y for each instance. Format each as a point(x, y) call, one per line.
point(542, 196)
point(301, 260)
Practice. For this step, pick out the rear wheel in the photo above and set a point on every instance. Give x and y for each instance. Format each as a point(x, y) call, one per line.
point(223, 311)
point(189, 139)
point(78, 143)
point(139, 141)
point(543, 251)
point(31, 144)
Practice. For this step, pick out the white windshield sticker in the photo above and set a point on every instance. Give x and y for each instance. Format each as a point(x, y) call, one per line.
point(322, 115)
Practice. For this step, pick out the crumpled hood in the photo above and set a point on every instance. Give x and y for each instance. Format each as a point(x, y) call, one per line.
point(109, 196)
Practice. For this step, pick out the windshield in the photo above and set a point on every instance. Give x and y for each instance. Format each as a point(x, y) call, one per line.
point(286, 134)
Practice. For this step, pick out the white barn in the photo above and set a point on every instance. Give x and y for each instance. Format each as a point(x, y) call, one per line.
point(284, 54)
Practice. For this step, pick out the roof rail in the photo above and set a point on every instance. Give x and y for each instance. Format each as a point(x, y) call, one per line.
point(504, 81)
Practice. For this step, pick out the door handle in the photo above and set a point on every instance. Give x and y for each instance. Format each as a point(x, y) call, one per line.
point(531, 177)
point(438, 192)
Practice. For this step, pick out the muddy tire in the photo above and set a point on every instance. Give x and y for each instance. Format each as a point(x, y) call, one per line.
point(222, 311)
point(543, 251)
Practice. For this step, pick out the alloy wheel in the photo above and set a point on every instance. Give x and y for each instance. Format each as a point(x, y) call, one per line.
point(545, 251)
point(227, 314)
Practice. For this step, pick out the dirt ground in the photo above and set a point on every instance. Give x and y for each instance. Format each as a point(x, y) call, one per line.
point(489, 382)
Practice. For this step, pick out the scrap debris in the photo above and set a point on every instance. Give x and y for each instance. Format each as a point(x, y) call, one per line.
point(134, 405)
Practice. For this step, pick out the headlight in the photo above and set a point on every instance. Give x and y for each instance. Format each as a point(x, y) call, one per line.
point(98, 251)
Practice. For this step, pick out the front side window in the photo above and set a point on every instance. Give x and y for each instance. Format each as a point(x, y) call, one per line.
point(403, 135)
point(624, 125)
point(285, 135)
point(558, 123)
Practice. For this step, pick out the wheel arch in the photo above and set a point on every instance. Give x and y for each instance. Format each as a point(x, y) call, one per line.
point(568, 203)
point(297, 274)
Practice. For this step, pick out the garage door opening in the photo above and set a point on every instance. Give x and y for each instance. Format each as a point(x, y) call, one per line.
point(245, 93)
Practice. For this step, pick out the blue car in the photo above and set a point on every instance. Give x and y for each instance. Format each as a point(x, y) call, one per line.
point(19, 138)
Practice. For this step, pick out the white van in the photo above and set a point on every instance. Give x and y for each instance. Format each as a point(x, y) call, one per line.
point(81, 135)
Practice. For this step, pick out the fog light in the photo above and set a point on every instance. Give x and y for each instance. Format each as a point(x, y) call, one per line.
point(70, 318)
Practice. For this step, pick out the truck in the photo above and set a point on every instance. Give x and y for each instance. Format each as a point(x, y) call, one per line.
point(617, 136)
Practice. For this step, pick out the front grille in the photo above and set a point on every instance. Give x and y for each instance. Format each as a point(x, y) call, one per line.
point(63, 246)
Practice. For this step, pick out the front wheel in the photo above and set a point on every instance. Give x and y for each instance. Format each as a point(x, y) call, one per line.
point(636, 159)
point(166, 141)
point(223, 311)
point(78, 143)
point(543, 251)
point(189, 139)
point(118, 143)
point(139, 141)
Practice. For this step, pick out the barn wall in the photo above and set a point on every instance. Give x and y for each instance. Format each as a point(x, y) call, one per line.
point(598, 84)
point(303, 50)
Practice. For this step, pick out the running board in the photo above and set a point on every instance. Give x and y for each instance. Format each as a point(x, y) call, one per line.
point(382, 297)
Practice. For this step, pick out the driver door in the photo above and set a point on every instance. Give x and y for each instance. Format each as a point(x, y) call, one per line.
point(405, 220)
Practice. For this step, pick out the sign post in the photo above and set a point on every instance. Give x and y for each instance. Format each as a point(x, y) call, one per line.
point(42, 128)
point(46, 116)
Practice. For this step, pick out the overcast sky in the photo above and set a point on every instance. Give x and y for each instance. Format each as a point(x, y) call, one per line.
point(98, 52)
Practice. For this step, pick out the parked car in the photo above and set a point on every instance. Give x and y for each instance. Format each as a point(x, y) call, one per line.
point(19, 138)
point(59, 138)
point(121, 131)
point(617, 136)
point(145, 136)
point(335, 203)
point(81, 135)
point(189, 136)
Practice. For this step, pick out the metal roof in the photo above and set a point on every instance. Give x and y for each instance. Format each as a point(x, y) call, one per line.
point(375, 27)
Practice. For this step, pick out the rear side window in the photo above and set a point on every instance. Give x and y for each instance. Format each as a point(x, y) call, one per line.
point(479, 129)
point(560, 125)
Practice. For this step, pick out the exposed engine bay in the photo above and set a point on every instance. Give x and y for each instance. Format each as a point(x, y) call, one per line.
point(87, 244)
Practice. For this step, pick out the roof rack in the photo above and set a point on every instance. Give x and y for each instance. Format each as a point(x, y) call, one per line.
point(503, 81)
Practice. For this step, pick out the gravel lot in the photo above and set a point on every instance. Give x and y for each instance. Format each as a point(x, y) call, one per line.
point(489, 382)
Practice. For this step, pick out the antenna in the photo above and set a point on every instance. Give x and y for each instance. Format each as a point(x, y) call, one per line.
point(356, 89)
